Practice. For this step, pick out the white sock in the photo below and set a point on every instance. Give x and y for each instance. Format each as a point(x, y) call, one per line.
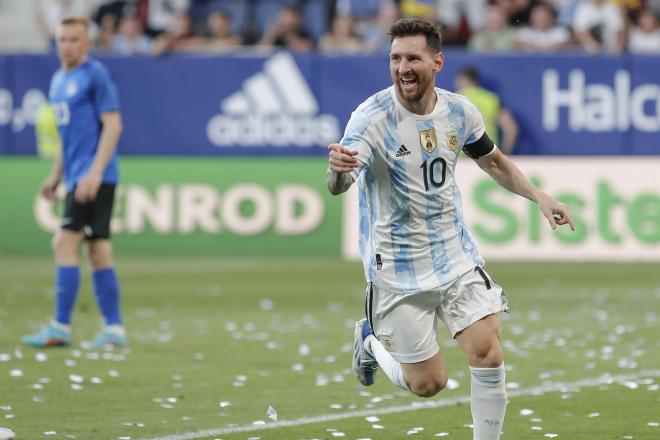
point(488, 402)
point(385, 360)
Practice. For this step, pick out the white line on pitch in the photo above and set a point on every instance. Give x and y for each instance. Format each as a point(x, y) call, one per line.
point(426, 404)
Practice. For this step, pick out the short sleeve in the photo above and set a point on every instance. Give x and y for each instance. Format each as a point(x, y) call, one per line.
point(356, 136)
point(106, 98)
point(474, 123)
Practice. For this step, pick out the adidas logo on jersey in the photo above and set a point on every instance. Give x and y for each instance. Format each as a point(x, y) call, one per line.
point(402, 151)
point(275, 107)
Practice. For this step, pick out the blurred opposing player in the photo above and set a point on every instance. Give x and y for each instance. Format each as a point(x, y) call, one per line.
point(86, 106)
point(421, 262)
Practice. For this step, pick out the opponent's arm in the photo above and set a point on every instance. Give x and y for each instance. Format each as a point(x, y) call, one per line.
point(341, 161)
point(507, 174)
point(110, 132)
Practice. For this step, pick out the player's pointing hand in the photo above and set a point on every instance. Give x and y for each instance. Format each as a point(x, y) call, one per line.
point(556, 213)
point(342, 159)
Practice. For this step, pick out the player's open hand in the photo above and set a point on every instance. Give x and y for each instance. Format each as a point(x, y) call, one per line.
point(556, 212)
point(87, 188)
point(342, 159)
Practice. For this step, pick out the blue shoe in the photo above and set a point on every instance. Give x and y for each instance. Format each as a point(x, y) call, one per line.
point(364, 364)
point(48, 336)
point(108, 339)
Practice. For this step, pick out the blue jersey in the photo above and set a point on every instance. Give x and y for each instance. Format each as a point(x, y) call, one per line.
point(413, 237)
point(79, 97)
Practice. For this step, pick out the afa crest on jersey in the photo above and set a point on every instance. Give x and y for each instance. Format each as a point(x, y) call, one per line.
point(452, 141)
point(428, 140)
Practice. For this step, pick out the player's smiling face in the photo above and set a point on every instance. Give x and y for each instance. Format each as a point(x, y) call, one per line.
point(413, 67)
point(72, 44)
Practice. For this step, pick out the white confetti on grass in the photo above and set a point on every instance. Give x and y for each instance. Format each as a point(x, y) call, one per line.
point(526, 412)
point(551, 435)
point(535, 391)
point(441, 434)
point(654, 424)
point(5, 357)
point(41, 357)
point(372, 419)
point(16, 373)
point(271, 413)
point(452, 384)
point(593, 414)
point(304, 350)
point(75, 378)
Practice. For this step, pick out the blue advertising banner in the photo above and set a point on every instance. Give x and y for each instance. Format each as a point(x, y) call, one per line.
point(280, 103)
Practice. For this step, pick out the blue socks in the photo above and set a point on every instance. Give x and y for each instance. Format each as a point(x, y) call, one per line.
point(66, 291)
point(106, 288)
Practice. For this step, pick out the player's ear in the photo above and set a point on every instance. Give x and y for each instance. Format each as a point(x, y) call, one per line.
point(439, 62)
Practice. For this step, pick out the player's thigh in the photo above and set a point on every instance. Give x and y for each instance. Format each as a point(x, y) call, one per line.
point(98, 226)
point(470, 298)
point(406, 325)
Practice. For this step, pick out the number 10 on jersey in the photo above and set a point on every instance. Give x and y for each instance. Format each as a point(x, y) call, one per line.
point(434, 175)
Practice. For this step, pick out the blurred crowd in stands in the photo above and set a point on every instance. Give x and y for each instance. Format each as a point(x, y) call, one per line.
point(159, 27)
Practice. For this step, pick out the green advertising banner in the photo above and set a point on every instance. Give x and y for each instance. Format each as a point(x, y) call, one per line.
point(220, 206)
point(280, 207)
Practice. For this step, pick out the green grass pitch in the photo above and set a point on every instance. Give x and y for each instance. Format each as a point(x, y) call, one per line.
point(214, 343)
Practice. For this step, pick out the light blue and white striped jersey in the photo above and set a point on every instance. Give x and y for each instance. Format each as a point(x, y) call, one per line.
point(412, 234)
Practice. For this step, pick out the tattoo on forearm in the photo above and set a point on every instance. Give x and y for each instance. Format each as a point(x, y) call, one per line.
point(338, 182)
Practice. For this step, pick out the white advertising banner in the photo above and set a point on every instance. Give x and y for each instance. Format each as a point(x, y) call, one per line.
point(615, 202)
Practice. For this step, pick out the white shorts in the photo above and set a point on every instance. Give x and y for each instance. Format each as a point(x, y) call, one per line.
point(406, 324)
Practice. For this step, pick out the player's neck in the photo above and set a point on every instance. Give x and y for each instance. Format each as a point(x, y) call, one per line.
point(421, 107)
point(68, 67)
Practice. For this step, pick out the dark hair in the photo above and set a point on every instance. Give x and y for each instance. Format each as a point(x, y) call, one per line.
point(407, 27)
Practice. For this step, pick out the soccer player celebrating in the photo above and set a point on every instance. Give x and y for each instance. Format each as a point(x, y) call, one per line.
point(86, 105)
point(421, 262)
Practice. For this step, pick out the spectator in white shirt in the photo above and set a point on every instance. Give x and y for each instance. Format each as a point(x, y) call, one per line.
point(599, 26)
point(543, 35)
point(645, 37)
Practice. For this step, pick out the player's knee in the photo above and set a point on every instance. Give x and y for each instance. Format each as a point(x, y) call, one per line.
point(99, 254)
point(487, 356)
point(429, 387)
point(63, 248)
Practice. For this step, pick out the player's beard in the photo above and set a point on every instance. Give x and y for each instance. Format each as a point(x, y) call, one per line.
point(422, 88)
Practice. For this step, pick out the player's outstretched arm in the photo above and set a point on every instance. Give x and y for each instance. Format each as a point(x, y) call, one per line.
point(506, 173)
point(341, 161)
